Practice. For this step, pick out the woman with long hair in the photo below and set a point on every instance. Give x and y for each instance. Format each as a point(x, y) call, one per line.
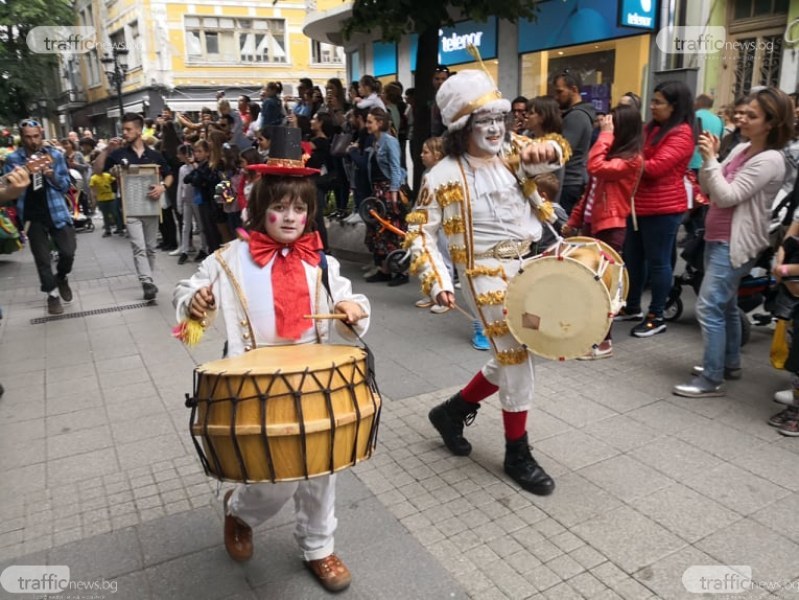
point(614, 169)
point(741, 190)
point(386, 177)
point(544, 116)
point(659, 204)
point(322, 129)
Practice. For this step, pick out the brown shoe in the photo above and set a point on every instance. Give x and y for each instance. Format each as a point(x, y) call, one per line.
point(331, 573)
point(238, 535)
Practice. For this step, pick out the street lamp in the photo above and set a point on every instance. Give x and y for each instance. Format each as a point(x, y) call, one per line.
point(116, 70)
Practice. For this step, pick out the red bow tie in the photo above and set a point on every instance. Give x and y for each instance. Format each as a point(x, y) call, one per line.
point(289, 284)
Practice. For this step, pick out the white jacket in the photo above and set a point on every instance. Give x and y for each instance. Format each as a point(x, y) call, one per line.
point(238, 328)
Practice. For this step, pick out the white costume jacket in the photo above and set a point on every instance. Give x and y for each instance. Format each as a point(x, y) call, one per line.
point(490, 212)
point(249, 321)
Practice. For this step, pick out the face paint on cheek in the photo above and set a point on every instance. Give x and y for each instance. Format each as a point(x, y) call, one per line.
point(304, 220)
point(272, 217)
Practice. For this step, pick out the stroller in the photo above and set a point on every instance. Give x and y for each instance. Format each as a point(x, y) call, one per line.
point(78, 205)
point(754, 286)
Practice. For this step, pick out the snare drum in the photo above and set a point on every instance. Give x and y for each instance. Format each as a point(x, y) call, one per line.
point(562, 302)
point(284, 413)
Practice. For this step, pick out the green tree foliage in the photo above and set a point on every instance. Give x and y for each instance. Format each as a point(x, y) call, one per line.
point(24, 75)
point(395, 18)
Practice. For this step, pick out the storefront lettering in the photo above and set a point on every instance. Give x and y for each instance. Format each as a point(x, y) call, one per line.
point(459, 42)
point(640, 20)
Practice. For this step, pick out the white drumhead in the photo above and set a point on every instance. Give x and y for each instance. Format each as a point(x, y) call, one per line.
point(557, 308)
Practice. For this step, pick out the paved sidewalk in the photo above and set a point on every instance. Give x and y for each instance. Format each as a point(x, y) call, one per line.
point(99, 472)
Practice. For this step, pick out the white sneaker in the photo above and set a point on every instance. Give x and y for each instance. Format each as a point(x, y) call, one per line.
point(786, 397)
point(598, 353)
point(353, 219)
point(176, 252)
point(423, 303)
point(438, 309)
point(371, 271)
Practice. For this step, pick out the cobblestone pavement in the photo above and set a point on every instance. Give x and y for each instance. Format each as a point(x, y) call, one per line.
point(99, 474)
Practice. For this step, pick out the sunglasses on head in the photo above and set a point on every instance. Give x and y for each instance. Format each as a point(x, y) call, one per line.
point(29, 123)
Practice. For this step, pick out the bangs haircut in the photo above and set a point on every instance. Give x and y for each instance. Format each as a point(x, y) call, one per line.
point(270, 190)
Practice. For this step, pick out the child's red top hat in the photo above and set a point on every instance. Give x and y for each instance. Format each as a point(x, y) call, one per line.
point(286, 157)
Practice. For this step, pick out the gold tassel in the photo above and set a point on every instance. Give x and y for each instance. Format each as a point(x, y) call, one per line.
point(189, 331)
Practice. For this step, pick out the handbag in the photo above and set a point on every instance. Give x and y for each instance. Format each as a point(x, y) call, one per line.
point(778, 354)
point(339, 144)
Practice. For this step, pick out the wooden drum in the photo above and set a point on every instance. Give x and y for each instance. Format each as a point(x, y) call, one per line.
point(284, 413)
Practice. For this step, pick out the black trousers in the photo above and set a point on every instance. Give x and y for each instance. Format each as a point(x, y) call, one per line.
point(39, 237)
point(570, 195)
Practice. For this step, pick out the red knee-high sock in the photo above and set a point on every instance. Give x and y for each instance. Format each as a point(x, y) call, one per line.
point(515, 424)
point(479, 388)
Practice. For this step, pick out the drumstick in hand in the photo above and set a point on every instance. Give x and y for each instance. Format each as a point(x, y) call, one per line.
point(339, 316)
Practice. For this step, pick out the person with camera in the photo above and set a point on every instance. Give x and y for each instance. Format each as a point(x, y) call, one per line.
point(736, 229)
point(43, 208)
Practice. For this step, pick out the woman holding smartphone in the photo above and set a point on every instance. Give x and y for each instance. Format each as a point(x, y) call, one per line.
point(736, 230)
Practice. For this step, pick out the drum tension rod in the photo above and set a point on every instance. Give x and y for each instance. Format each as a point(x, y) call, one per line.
point(191, 401)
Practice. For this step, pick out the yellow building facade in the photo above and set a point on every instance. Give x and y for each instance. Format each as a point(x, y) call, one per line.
point(182, 53)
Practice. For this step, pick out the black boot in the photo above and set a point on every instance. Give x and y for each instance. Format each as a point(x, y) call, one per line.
point(449, 418)
point(524, 470)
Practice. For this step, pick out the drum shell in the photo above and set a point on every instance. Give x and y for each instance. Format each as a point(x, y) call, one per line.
point(285, 425)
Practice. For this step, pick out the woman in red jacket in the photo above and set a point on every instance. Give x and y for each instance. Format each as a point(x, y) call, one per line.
point(659, 204)
point(614, 169)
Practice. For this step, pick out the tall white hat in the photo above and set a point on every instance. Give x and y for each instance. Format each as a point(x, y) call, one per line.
point(465, 93)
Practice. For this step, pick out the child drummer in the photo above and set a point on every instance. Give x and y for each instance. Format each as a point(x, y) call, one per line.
point(265, 286)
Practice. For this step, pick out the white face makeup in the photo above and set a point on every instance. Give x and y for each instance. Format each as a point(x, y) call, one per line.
point(488, 133)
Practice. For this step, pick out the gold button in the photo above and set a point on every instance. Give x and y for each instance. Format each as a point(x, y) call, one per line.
point(243, 322)
point(246, 336)
point(247, 348)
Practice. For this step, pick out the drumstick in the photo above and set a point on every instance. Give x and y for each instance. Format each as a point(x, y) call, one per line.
point(463, 312)
point(339, 316)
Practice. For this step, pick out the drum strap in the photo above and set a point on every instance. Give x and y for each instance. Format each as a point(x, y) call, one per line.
point(370, 358)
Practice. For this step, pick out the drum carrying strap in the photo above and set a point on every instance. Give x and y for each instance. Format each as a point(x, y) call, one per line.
point(370, 358)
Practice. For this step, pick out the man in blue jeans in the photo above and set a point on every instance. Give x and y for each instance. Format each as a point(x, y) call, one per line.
point(43, 209)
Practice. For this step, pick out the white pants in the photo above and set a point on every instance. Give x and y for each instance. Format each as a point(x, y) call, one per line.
point(314, 507)
point(516, 382)
point(143, 233)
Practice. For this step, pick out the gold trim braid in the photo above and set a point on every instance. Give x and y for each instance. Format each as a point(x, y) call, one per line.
point(515, 356)
point(496, 329)
point(490, 298)
point(453, 225)
point(477, 103)
point(417, 217)
point(481, 271)
point(427, 282)
point(448, 193)
point(458, 254)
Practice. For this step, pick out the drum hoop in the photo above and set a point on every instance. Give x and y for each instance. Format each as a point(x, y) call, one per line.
point(537, 262)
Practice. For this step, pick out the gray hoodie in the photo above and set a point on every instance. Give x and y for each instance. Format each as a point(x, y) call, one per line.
point(578, 125)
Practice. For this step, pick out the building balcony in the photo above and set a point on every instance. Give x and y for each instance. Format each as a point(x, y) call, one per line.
point(70, 99)
point(324, 22)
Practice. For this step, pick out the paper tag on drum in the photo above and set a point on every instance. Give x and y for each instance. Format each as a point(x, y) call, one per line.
point(530, 321)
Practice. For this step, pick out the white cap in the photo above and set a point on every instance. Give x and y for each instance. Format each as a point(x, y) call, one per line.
point(465, 93)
